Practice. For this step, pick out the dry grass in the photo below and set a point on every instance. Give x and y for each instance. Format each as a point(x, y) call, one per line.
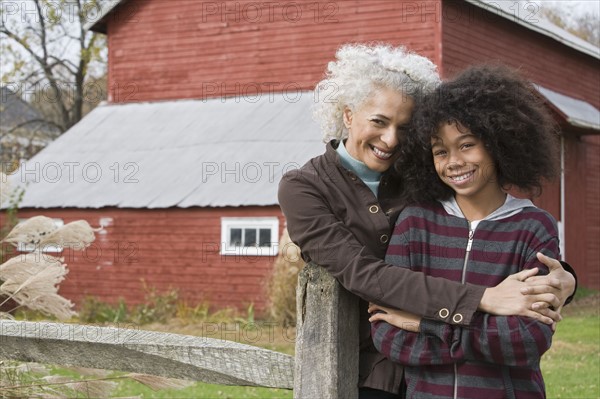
point(282, 283)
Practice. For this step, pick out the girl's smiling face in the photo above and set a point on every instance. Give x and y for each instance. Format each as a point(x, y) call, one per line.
point(463, 163)
point(374, 128)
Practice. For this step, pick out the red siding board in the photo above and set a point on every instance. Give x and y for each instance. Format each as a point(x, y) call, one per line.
point(589, 221)
point(164, 260)
point(186, 33)
point(477, 38)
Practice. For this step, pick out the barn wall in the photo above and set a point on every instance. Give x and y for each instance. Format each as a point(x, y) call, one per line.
point(177, 248)
point(471, 35)
point(162, 50)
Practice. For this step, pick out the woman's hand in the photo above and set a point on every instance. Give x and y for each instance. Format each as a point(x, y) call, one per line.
point(525, 294)
point(559, 282)
point(399, 318)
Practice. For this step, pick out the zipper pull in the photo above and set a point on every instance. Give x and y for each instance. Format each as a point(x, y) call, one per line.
point(470, 242)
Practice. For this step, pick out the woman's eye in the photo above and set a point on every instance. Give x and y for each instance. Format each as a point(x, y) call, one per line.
point(378, 122)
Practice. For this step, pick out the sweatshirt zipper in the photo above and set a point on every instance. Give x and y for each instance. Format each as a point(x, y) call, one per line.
point(462, 280)
point(469, 245)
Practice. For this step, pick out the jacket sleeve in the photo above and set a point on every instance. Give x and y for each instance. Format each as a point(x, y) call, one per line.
point(325, 240)
point(570, 269)
point(507, 340)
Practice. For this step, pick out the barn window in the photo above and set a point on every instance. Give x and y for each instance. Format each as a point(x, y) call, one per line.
point(30, 246)
point(249, 236)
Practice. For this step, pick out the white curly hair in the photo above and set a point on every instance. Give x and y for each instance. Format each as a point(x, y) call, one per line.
point(359, 70)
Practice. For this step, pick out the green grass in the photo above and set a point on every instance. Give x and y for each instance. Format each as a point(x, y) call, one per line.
point(201, 391)
point(128, 387)
point(571, 367)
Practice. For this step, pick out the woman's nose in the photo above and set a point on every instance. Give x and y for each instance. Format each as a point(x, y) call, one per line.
point(390, 137)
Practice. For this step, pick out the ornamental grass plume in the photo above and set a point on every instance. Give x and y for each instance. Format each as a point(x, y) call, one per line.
point(31, 280)
point(282, 283)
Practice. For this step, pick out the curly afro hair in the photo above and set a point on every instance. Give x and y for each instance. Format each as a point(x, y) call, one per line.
point(501, 108)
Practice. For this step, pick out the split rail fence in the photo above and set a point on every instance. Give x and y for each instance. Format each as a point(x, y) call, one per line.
point(325, 364)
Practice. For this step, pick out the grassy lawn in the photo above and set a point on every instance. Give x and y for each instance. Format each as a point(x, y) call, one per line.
point(571, 367)
point(129, 388)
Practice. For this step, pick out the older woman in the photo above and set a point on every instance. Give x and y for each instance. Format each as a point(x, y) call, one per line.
point(341, 206)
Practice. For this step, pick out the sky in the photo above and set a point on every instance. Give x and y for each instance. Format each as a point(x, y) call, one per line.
point(577, 7)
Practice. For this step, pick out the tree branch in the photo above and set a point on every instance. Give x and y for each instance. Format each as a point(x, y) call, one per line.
point(44, 121)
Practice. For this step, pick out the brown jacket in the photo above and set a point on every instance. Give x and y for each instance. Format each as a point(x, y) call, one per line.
point(339, 224)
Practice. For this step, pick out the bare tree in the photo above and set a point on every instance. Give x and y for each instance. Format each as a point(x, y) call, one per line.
point(585, 26)
point(50, 59)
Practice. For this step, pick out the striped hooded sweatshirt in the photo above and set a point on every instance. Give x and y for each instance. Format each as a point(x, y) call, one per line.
point(495, 356)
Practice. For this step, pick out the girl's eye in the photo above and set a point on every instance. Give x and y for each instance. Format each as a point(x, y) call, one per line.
point(467, 145)
point(439, 153)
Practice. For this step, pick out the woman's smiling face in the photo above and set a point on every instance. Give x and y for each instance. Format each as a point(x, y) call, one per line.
point(374, 127)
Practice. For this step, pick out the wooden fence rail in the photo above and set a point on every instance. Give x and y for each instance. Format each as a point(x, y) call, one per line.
point(325, 366)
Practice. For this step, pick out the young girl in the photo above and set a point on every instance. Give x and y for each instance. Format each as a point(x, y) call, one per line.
point(476, 137)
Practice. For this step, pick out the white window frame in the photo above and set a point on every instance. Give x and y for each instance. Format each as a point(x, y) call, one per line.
point(228, 223)
point(24, 247)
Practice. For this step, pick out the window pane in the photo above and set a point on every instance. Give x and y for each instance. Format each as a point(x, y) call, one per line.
point(265, 238)
point(249, 237)
point(235, 237)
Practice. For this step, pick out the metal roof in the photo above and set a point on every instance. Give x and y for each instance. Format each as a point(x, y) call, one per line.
point(208, 153)
point(97, 22)
point(578, 113)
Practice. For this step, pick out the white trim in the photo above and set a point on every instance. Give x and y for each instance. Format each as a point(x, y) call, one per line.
point(228, 223)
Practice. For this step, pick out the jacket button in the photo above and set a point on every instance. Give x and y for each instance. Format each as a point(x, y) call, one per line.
point(443, 313)
point(352, 176)
point(457, 318)
point(384, 238)
point(373, 209)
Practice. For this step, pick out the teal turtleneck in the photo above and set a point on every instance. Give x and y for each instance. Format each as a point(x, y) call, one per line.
point(370, 177)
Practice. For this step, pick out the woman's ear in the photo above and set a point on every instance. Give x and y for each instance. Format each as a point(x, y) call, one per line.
point(347, 117)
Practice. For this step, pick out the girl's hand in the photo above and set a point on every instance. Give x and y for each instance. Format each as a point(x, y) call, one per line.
point(399, 318)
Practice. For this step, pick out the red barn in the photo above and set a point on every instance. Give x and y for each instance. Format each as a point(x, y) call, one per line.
point(209, 105)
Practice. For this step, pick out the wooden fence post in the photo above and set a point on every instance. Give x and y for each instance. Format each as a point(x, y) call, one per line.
point(326, 364)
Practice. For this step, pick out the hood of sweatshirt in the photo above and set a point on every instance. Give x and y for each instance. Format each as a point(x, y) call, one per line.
point(510, 207)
